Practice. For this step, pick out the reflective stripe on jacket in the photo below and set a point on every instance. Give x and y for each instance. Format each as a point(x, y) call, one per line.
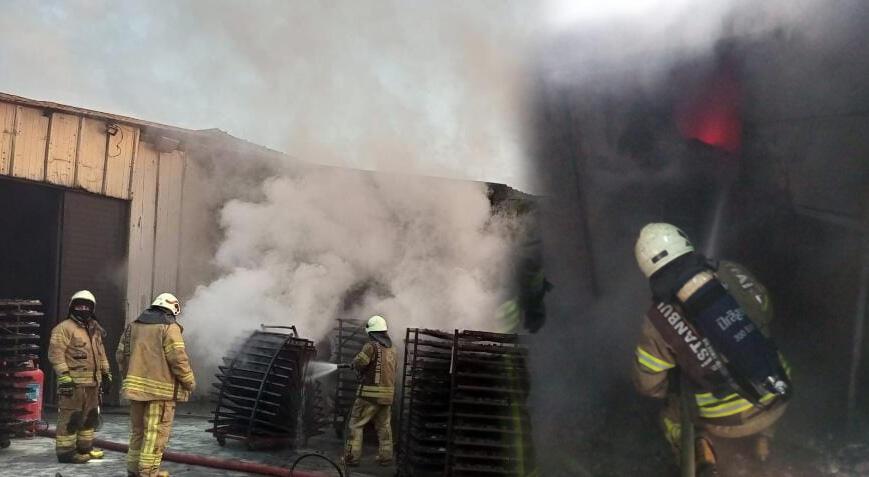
point(654, 356)
point(154, 362)
point(376, 364)
point(78, 350)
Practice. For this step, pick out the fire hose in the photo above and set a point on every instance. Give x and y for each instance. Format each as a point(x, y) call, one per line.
point(213, 462)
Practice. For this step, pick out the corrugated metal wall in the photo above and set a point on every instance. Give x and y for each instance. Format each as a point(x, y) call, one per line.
point(67, 150)
point(106, 158)
point(155, 220)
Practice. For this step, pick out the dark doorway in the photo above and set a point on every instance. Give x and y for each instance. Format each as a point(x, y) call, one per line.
point(29, 247)
point(93, 257)
point(55, 242)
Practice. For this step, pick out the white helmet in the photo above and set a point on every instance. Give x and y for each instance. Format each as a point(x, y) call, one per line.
point(168, 302)
point(375, 323)
point(660, 244)
point(83, 295)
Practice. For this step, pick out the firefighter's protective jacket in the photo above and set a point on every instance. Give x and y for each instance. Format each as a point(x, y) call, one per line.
point(77, 349)
point(153, 361)
point(376, 365)
point(657, 355)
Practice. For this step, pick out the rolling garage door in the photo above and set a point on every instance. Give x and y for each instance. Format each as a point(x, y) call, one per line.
point(93, 251)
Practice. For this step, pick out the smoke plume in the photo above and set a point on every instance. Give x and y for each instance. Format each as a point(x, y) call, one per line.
point(612, 160)
point(378, 85)
point(329, 243)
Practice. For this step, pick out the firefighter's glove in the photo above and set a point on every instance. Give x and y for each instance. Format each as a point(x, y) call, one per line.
point(65, 386)
point(106, 383)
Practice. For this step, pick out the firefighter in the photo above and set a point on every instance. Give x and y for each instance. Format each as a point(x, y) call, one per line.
point(79, 360)
point(375, 365)
point(526, 306)
point(671, 341)
point(157, 374)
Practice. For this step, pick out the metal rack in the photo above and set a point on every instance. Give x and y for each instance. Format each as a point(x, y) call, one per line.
point(489, 430)
point(349, 337)
point(463, 409)
point(260, 395)
point(20, 322)
point(425, 403)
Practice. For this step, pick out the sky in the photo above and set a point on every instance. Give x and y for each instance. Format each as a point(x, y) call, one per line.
point(434, 88)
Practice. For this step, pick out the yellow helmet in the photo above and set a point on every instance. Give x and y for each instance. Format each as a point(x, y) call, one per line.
point(168, 302)
point(375, 323)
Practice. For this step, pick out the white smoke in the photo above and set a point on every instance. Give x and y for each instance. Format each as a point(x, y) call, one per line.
point(634, 43)
point(433, 252)
point(374, 85)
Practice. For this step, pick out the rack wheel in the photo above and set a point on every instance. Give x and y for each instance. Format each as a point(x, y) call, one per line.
point(4, 443)
point(221, 441)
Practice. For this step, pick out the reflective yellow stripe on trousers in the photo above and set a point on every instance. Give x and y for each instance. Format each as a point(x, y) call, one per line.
point(148, 457)
point(377, 391)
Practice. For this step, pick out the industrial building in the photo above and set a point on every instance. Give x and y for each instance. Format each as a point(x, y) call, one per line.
point(115, 205)
point(95, 201)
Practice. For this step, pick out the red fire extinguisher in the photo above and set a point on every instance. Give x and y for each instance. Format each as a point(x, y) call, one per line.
point(32, 382)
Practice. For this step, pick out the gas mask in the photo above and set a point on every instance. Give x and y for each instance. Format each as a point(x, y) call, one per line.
point(82, 311)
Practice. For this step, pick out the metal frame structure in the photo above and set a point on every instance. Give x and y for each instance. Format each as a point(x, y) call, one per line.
point(20, 322)
point(489, 430)
point(260, 396)
point(349, 336)
point(463, 408)
point(424, 406)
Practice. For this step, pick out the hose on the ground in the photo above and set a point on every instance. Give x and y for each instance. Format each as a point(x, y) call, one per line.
point(205, 461)
point(314, 454)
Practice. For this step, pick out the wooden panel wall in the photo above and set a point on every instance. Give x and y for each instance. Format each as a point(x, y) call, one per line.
point(62, 147)
point(28, 146)
point(119, 161)
point(91, 155)
point(109, 159)
point(67, 150)
point(167, 246)
point(143, 210)
point(7, 132)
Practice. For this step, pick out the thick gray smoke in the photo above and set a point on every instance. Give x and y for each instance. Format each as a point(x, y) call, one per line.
point(380, 85)
point(432, 88)
point(422, 252)
point(611, 162)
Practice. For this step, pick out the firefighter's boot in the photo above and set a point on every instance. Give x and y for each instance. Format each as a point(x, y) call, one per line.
point(705, 456)
point(73, 458)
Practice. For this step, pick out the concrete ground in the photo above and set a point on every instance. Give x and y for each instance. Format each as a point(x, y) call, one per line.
point(35, 456)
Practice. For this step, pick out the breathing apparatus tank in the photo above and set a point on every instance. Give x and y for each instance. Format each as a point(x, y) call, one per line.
point(751, 360)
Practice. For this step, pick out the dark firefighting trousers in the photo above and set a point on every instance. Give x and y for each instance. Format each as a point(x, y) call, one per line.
point(755, 422)
point(150, 426)
point(363, 412)
point(77, 416)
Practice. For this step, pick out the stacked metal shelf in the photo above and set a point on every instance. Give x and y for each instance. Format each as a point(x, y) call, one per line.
point(349, 337)
point(20, 322)
point(489, 430)
point(425, 403)
point(261, 391)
